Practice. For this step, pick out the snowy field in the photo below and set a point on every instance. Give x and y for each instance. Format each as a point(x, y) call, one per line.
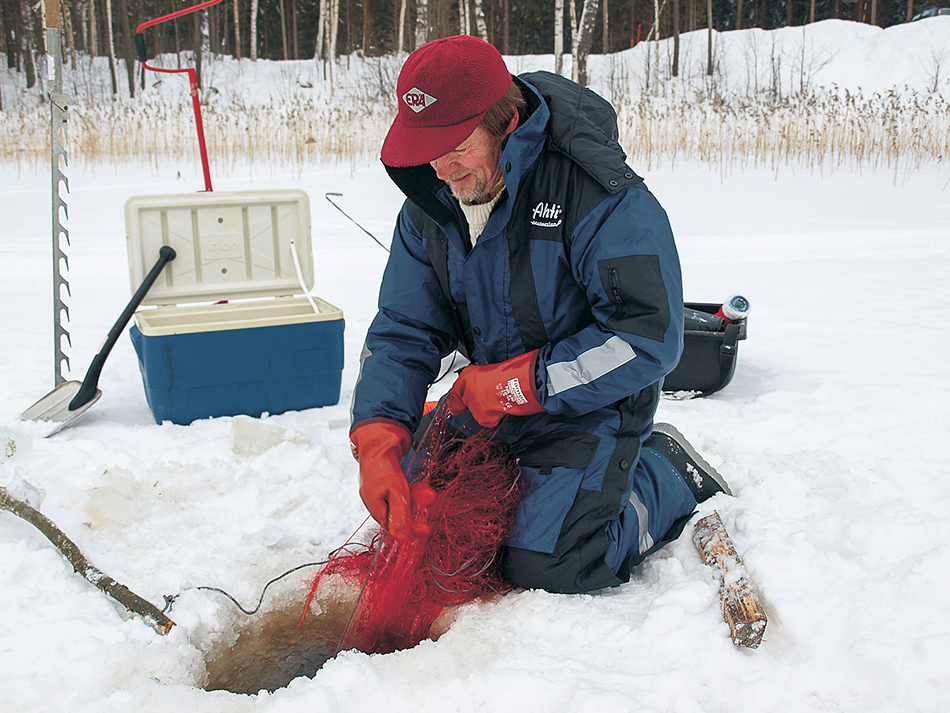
point(832, 434)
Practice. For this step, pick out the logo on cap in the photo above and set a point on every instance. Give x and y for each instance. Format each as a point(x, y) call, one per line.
point(417, 100)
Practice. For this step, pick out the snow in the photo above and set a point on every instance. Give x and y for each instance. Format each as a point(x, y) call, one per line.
point(832, 435)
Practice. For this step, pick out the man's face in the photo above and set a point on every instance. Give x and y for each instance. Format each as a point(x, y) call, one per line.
point(471, 170)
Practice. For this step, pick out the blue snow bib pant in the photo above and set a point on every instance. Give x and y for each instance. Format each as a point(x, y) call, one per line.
point(578, 261)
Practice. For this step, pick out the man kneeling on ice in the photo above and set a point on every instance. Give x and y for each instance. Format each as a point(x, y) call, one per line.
point(527, 243)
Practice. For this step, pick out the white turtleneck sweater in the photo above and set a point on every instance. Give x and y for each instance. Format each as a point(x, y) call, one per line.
point(478, 215)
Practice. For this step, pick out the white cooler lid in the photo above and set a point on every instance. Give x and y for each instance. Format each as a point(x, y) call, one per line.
point(228, 245)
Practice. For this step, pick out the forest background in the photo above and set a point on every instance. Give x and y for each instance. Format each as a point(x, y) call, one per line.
point(669, 67)
point(298, 29)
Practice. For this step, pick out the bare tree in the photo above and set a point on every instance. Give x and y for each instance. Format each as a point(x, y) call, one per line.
point(505, 27)
point(480, 25)
point(676, 37)
point(935, 68)
point(111, 40)
point(283, 28)
point(128, 52)
point(558, 36)
point(237, 32)
point(656, 45)
point(585, 36)
point(253, 53)
point(93, 29)
point(465, 17)
point(319, 50)
point(367, 17)
point(333, 29)
point(422, 22)
point(401, 42)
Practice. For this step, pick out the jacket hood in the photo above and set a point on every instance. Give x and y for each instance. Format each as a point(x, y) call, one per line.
point(583, 125)
point(577, 122)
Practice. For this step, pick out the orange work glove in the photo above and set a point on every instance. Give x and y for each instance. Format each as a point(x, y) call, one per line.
point(378, 446)
point(494, 391)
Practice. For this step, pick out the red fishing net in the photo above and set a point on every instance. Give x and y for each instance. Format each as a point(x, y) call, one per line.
point(405, 586)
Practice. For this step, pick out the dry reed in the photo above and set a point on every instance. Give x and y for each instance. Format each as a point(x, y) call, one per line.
point(819, 129)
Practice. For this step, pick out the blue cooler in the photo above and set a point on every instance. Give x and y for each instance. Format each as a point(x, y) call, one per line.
point(230, 326)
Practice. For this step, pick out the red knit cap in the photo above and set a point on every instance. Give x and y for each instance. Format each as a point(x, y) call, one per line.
point(444, 90)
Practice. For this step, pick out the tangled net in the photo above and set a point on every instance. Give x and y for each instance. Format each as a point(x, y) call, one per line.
point(405, 586)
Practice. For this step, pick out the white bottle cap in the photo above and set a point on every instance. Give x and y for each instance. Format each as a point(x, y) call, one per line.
point(735, 308)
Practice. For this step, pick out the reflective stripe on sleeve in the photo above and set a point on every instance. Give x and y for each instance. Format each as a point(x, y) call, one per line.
point(589, 366)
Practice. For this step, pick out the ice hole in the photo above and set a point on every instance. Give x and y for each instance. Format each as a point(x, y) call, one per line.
point(273, 648)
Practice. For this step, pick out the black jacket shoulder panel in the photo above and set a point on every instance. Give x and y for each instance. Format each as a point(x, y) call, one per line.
point(583, 125)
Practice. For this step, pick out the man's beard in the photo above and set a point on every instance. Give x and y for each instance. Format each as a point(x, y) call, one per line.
point(471, 195)
point(479, 192)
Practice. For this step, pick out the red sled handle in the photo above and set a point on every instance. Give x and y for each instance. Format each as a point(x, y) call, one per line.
point(192, 78)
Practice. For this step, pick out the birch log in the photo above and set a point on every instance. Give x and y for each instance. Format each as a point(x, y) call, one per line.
point(740, 604)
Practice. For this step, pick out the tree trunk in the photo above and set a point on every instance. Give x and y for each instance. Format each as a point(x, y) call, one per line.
point(93, 29)
point(68, 30)
point(333, 29)
point(910, 9)
point(633, 23)
point(506, 27)
point(873, 12)
point(573, 18)
point(401, 42)
point(738, 14)
point(320, 51)
point(480, 24)
point(585, 36)
point(606, 37)
point(294, 32)
point(237, 31)
point(811, 12)
point(676, 37)
point(422, 22)
point(283, 28)
point(656, 46)
point(709, 39)
point(464, 24)
point(196, 48)
point(128, 52)
point(111, 40)
point(332, 26)
point(366, 28)
point(10, 35)
point(253, 30)
point(558, 36)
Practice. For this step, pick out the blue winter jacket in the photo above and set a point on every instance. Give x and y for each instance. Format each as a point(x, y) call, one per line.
point(578, 261)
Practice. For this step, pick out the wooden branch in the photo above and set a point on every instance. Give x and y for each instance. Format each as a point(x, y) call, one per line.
point(740, 605)
point(81, 565)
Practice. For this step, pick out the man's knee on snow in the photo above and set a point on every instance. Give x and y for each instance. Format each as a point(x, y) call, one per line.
point(581, 569)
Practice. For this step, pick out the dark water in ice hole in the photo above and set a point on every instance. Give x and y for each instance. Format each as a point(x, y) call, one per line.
point(271, 651)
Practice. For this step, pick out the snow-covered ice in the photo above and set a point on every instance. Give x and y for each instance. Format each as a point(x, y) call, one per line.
point(832, 435)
